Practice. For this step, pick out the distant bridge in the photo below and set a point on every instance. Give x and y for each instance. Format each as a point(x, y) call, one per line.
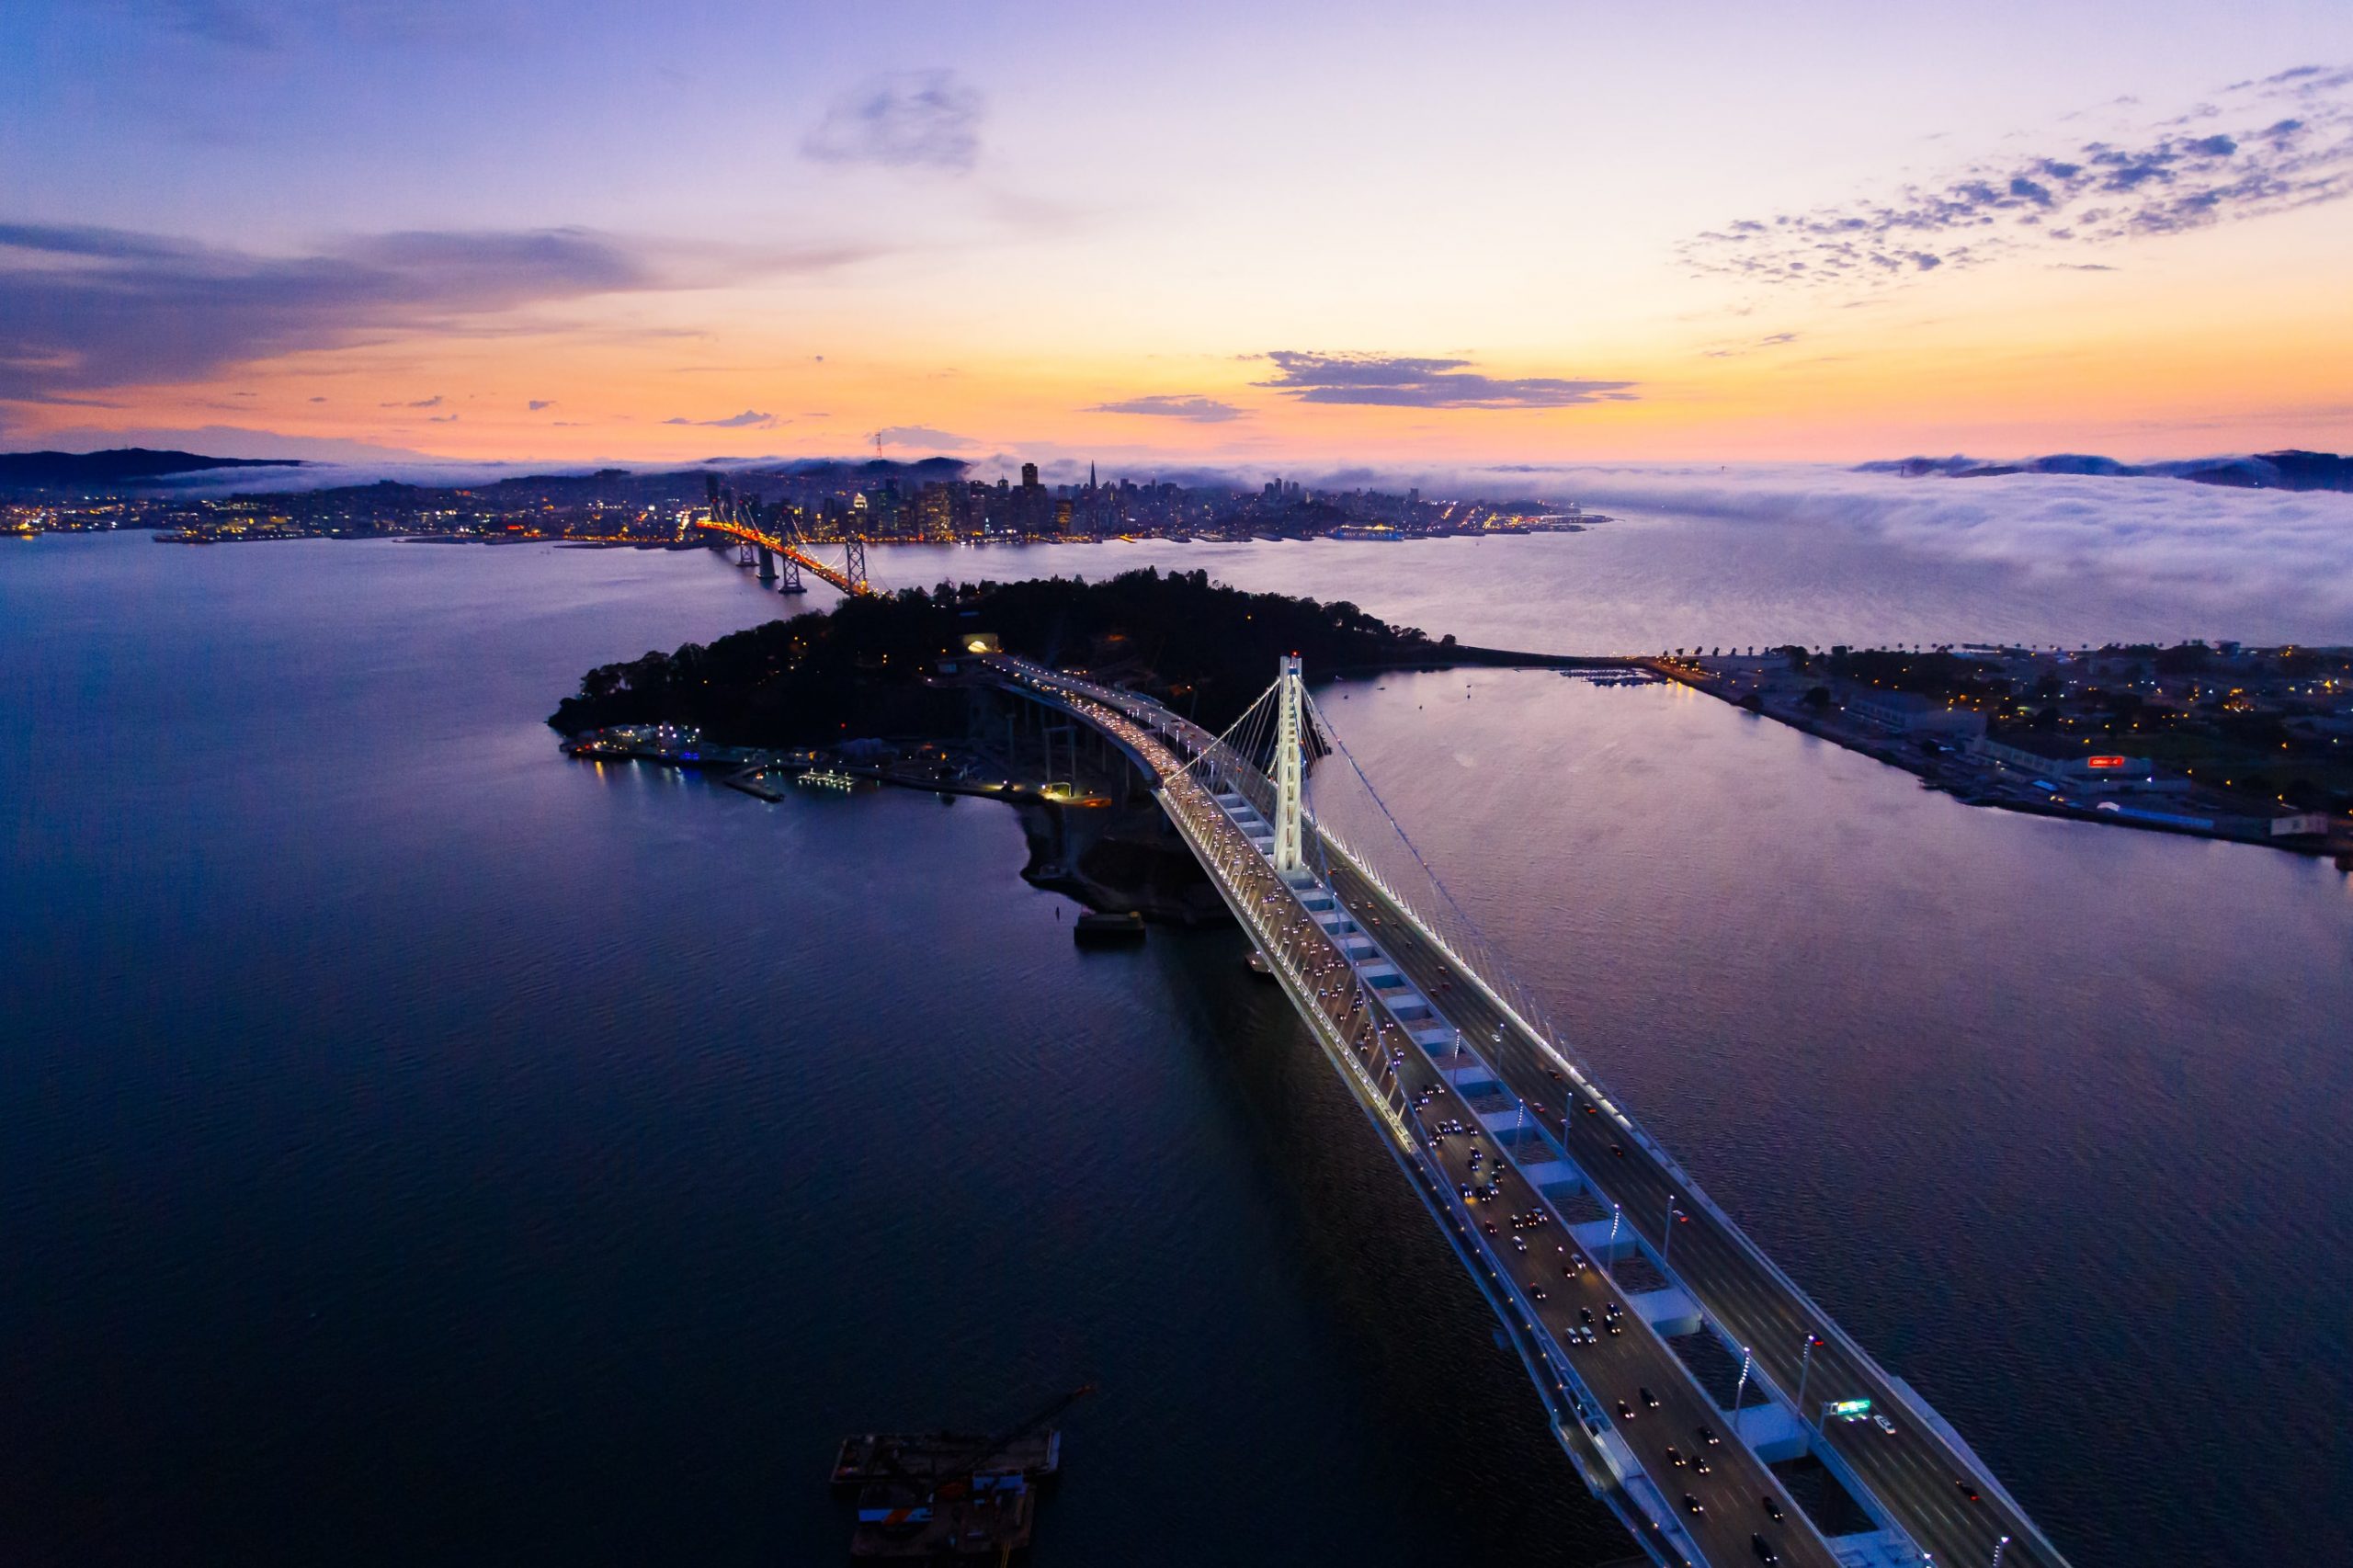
point(1594, 1248)
point(775, 541)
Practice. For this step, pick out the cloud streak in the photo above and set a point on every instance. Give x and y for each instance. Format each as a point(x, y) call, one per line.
point(1394, 381)
point(263, 26)
point(918, 119)
point(2291, 146)
point(1173, 406)
point(750, 419)
point(1776, 340)
point(85, 308)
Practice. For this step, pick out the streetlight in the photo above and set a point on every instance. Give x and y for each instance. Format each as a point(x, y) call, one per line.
point(1999, 1547)
point(1805, 1359)
point(1610, 1258)
point(1666, 1247)
point(1739, 1389)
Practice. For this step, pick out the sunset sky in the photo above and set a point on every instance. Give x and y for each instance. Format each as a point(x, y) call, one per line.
point(1213, 234)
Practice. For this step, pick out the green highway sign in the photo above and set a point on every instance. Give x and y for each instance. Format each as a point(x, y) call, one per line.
point(1851, 1409)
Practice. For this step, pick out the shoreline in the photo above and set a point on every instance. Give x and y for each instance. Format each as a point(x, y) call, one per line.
point(1886, 749)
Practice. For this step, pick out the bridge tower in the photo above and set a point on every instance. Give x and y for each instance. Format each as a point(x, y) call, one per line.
point(854, 562)
point(1289, 690)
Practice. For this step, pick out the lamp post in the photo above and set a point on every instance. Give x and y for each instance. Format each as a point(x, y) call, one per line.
point(2000, 1547)
point(1805, 1359)
point(1610, 1258)
point(1739, 1389)
point(1666, 1246)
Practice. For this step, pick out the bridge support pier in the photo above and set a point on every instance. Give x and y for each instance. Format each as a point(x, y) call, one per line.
point(767, 565)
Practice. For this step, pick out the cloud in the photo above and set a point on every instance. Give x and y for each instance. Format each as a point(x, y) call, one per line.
point(1169, 405)
point(83, 307)
point(1391, 381)
point(919, 120)
point(750, 419)
point(261, 27)
point(222, 22)
point(2293, 148)
point(433, 402)
point(1774, 340)
point(539, 403)
point(922, 436)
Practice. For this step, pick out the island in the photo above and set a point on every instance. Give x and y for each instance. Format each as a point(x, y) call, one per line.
point(895, 689)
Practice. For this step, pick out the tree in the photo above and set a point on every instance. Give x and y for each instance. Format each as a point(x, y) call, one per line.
point(1818, 697)
point(2188, 658)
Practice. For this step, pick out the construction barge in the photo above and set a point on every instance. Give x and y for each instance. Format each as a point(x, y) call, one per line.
point(1096, 930)
point(950, 1496)
point(932, 1457)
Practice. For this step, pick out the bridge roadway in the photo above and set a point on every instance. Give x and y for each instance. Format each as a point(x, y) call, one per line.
point(1913, 1473)
point(1913, 1476)
point(1631, 1380)
point(790, 548)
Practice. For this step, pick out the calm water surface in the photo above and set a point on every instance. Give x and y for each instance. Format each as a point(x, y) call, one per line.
point(414, 1147)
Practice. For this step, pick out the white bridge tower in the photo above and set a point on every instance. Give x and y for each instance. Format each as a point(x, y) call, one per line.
point(1288, 693)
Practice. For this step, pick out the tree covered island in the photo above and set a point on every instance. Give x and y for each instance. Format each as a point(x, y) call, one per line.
point(869, 666)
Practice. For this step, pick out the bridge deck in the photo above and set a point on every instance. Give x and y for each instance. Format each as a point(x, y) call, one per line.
point(1427, 1034)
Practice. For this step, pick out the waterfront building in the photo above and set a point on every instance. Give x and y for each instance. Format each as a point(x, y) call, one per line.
point(1910, 713)
point(2064, 758)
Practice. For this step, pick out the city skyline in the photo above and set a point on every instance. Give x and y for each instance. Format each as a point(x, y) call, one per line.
point(1228, 240)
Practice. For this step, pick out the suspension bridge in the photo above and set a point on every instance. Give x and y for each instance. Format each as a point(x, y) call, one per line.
point(770, 538)
point(1628, 1293)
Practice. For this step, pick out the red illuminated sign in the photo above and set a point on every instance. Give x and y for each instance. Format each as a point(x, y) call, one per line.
point(2103, 762)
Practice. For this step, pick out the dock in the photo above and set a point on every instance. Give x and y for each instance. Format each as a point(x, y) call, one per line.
point(950, 1496)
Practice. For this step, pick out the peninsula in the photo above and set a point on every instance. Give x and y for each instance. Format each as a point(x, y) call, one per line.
point(2219, 741)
